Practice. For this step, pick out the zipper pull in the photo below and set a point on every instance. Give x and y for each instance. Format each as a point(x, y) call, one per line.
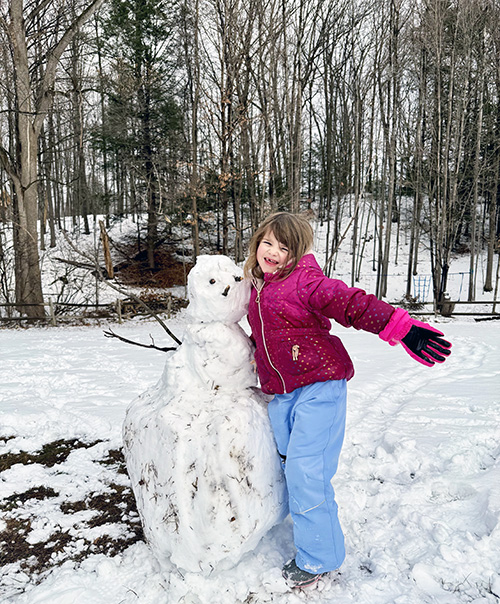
point(295, 352)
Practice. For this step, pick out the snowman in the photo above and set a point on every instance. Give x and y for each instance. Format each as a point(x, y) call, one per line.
point(199, 448)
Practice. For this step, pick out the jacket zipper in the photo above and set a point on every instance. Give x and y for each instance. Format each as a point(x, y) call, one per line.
point(257, 300)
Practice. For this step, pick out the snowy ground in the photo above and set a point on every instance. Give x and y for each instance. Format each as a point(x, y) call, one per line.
point(418, 486)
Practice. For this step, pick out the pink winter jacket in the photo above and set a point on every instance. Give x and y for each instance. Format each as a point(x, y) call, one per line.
point(290, 327)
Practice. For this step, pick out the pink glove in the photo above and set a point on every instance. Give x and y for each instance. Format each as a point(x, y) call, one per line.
point(420, 340)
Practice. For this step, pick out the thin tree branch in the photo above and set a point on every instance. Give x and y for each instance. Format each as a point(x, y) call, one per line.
point(39, 8)
point(6, 162)
point(74, 263)
point(120, 290)
point(45, 97)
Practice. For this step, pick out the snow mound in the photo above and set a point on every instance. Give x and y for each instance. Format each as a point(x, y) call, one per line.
point(199, 448)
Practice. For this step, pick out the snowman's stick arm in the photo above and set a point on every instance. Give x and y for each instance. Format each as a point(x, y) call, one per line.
point(146, 308)
point(111, 334)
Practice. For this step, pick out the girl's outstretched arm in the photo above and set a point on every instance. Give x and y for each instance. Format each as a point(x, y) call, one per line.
point(352, 307)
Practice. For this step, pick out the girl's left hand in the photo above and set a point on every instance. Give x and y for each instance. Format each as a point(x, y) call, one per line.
point(425, 344)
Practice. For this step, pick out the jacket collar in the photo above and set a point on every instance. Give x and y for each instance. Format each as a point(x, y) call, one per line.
point(307, 261)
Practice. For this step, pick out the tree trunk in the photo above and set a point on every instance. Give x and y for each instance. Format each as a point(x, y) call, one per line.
point(27, 262)
point(80, 186)
point(389, 121)
point(48, 188)
point(195, 84)
point(103, 123)
point(418, 178)
point(493, 209)
point(33, 103)
point(475, 196)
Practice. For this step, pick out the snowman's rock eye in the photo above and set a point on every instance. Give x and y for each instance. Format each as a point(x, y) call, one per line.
point(212, 281)
point(238, 278)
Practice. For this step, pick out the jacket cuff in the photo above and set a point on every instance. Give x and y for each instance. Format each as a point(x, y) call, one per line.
point(397, 327)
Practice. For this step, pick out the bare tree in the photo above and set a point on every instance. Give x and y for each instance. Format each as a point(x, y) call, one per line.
point(191, 44)
point(493, 214)
point(388, 81)
point(33, 100)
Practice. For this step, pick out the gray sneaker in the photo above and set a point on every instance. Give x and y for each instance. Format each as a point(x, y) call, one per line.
point(296, 577)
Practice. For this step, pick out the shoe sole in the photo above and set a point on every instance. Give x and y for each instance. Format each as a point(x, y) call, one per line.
point(302, 584)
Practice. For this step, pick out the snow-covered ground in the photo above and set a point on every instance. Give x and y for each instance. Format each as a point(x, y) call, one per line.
point(418, 485)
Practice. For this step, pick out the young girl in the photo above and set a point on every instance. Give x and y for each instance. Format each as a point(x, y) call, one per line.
point(306, 368)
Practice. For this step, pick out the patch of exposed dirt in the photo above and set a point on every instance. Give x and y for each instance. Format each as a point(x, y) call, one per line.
point(16, 500)
point(113, 505)
point(50, 454)
point(134, 270)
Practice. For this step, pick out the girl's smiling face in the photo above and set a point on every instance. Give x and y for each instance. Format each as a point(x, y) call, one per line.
point(271, 254)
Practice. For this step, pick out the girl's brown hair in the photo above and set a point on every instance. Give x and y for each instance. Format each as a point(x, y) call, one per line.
point(291, 230)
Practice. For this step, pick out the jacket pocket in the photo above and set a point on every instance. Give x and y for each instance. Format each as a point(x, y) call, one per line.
point(301, 355)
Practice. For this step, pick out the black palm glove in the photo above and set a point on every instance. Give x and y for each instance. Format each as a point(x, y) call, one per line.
point(425, 345)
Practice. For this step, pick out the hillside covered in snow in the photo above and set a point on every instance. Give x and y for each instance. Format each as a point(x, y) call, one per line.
point(417, 484)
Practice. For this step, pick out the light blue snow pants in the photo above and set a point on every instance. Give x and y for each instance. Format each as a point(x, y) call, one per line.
point(309, 426)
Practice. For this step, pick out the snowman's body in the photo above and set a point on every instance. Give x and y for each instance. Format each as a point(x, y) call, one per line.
point(199, 448)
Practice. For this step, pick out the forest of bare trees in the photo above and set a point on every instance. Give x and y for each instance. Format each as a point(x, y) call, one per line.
point(209, 114)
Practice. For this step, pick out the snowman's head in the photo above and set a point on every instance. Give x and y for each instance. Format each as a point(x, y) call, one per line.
point(217, 290)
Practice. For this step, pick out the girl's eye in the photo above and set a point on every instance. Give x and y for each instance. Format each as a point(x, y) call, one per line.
point(284, 249)
point(212, 281)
